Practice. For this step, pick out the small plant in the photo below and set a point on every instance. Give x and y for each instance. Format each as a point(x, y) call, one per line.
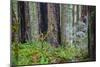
point(38, 52)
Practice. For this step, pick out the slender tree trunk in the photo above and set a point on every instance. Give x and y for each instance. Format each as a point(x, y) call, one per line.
point(75, 21)
point(79, 10)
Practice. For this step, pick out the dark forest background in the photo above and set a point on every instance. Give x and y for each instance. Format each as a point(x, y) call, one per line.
point(44, 33)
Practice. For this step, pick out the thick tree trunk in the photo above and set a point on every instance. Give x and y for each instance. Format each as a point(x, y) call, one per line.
point(43, 24)
point(27, 22)
point(92, 32)
point(54, 24)
point(34, 18)
point(14, 22)
point(23, 8)
point(66, 24)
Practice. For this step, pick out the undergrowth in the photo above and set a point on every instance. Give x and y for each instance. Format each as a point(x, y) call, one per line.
point(38, 52)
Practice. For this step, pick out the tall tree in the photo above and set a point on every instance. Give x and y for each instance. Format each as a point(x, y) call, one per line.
point(23, 10)
point(75, 21)
point(15, 24)
point(43, 24)
point(34, 20)
point(54, 24)
point(92, 32)
point(66, 23)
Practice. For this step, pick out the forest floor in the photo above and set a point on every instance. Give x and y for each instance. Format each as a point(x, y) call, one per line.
point(38, 52)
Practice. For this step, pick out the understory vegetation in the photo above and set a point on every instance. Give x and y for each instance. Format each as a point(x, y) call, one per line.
point(41, 52)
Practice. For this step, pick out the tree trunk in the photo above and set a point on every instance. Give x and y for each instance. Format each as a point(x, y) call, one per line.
point(43, 24)
point(23, 10)
point(54, 24)
point(66, 24)
point(14, 22)
point(92, 32)
point(34, 18)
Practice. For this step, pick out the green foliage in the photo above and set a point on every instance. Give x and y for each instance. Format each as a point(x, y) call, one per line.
point(43, 59)
point(39, 52)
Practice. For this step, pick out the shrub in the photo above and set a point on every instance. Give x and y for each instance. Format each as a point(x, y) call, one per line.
point(38, 52)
